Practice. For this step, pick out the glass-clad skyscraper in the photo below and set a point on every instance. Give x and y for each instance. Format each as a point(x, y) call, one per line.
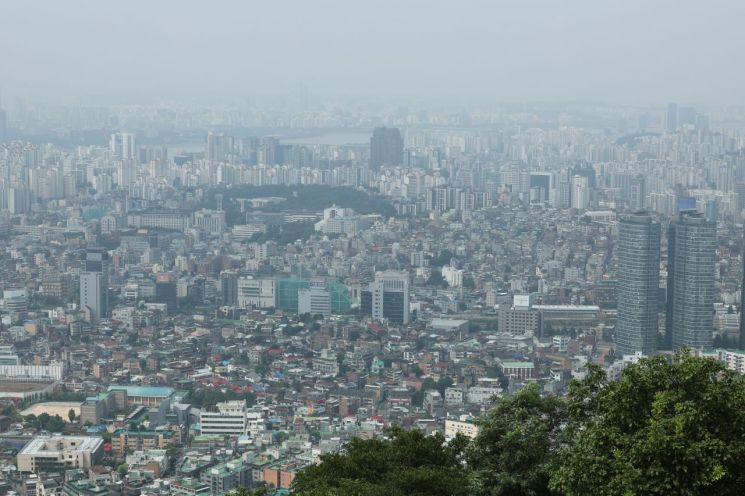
point(638, 284)
point(692, 265)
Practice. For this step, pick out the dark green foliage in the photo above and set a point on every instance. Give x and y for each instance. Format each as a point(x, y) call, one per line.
point(436, 279)
point(666, 427)
point(208, 398)
point(407, 464)
point(516, 442)
point(311, 197)
point(286, 233)
point(45, 422)
point(663, 428)
point(244, 491)
point(442, 259)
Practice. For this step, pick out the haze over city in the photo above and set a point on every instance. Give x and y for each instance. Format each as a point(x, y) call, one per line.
point(616, 52)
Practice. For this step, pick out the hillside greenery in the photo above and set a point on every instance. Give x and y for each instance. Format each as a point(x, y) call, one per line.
point(297, 197)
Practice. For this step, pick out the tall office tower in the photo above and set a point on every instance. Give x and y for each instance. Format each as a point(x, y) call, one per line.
point(692, 266)
point(94, 283)
point(741, 340)
point(229, 287)
point(3, 126)
point(269, 152)
point(386, 147)
point(219, 147)
point(165, 291)
point(387, 297)
point(638, 193)
point(638, 284)
point(122, 146)
point(671, 118)
point(580, 192)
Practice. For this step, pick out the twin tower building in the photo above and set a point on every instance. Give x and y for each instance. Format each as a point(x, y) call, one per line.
point(691, 266)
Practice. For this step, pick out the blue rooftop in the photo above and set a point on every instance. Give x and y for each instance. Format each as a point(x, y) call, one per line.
point(158, 392)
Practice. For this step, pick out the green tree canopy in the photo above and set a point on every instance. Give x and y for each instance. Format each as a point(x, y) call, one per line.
point(663, 428)
point(407, 463)
point(513, 452)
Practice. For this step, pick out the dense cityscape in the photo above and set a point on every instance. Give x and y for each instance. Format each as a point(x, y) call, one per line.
point(347, 249)
point(200, 318)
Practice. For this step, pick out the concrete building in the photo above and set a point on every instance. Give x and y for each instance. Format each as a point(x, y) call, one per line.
point(453, 276)
point(327, 363)
point(94, 284)
point(465, 426)
point(227, 418)
point(226, 477)
point(261, 293)
point(58, 453)
point(520, 318)
point(387, 297)
point(210, 221)
point(386, 147)
point(315, 300)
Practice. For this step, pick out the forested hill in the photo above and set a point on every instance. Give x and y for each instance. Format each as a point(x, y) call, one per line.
point(310, 197)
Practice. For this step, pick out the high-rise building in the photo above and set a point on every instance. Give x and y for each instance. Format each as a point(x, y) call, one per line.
point(122, 146)
point(580, 192)
point(638, 284)
point(386, 147)
point(3, 126)
point(229, 288)
point(387, 297)
point(671, 117)
point(219, 147)
point(94, 283)
point(691, 264)
point(165, 291)
point(741, 340)
point(638, 193)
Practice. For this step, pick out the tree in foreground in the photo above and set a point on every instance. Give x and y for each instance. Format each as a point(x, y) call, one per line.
point(407, 463)
point(513, 452)
point(662, 428)
point(665, 427)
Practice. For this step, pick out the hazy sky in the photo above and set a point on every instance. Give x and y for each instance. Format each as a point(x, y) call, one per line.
point(629, 51)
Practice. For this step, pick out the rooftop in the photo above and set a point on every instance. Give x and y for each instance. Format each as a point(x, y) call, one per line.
point(53, 444)
point(157, 392)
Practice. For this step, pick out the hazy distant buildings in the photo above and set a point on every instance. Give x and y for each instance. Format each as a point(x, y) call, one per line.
point(638, 284)
point(386, 147)
point(691, 264)
point(338, 220)
point(671, 118)
point(210, 221)
point(741, 340)
point(122, 146)
point(3, 126)
point(219, 147)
